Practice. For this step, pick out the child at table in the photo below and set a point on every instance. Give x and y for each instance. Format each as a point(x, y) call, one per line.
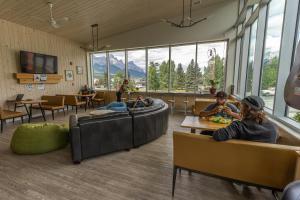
point(254, 126)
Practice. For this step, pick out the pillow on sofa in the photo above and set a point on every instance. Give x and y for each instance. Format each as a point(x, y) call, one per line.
point(101, 112)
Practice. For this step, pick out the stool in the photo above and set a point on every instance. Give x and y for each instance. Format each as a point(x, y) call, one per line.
point(172, 104)
point(123, 99)
point(186, 101)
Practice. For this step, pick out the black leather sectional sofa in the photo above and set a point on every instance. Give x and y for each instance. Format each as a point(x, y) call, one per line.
point(91, 136)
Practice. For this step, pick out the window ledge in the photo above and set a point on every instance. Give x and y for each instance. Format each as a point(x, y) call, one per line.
point(287, 125)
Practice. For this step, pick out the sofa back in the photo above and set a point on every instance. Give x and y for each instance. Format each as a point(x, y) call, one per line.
point(268, 165)
point(53, 100)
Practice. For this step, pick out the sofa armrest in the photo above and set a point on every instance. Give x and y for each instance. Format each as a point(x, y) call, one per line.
point(75, 139)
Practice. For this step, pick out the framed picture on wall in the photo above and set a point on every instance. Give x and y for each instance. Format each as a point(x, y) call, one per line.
point(79, 69)
point(69, 75)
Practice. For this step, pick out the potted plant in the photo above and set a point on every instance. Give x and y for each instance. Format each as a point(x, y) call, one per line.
point(213, 85)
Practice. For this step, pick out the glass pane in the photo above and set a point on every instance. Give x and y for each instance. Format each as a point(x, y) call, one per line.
point(158, 69)
point(99, 67)
point(183, 68)
point(211, 61)
point(271, 52)
point(116, 69)
point(137, 69)
point(251, 59)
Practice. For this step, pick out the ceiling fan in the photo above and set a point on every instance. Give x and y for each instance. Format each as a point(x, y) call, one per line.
point(55, 23)
point(185, 21)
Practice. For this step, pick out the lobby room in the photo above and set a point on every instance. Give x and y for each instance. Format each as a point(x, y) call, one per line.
point(149, 99)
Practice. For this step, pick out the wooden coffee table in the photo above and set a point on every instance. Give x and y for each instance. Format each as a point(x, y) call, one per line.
point(194, 123)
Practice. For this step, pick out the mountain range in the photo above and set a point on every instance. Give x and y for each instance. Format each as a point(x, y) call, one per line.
point(99, 66)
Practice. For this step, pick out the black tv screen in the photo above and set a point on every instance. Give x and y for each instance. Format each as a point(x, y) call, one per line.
point(35, 63)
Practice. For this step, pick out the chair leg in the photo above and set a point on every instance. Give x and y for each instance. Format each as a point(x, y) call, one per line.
point(76, 109)
point(22, 120)
point(67, 108)
point(64, 111)
point(53, 114)
point(85, 107)
point(174, 180)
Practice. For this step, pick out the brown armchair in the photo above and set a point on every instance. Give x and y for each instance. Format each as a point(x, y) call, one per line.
point(269, 166)
point(98, 98)
point(72, 100)
point(53, 103)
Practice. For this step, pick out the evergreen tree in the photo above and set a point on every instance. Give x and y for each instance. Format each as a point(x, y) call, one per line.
point(173, 74)
point(269, 74)
point(179, 83)
point(153, 77)
point(164, 75)
point(190, 77)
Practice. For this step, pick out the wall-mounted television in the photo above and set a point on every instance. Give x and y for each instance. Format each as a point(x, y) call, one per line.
point(35, 63)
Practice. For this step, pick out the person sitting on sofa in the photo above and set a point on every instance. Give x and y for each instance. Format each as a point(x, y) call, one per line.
point(221, 108)
point(254, 125)
point(141, 102)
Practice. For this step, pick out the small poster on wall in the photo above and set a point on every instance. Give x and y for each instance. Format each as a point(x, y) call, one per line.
point(79, 69)
point(41, 86)
point(69, 75)
point(29, 87)
point(43, 77)
point(36, 77)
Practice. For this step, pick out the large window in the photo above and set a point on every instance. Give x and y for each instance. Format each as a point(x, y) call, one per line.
point(271, 51)
point(158, 69)
point(183, 69)
point(211, 61)
point(137, 69)
point(116, 69)
point(249, 83)
point(99, 70)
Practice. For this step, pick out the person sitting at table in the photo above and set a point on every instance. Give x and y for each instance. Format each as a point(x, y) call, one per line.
point(123, 88)
point(221, 108)
point(254, 125)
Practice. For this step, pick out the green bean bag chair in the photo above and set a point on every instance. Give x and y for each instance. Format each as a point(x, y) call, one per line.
point(41, 138)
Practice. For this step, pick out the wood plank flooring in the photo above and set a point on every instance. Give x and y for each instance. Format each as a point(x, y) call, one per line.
point(144, 173)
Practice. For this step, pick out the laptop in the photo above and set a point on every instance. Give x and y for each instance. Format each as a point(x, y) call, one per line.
point(19, 97)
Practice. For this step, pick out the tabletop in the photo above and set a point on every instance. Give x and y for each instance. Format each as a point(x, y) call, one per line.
point(194, 122)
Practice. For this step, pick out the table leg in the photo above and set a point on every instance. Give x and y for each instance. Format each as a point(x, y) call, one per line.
point(26, 109)
point(193, 130)
point(30, 113)
point(42, 111)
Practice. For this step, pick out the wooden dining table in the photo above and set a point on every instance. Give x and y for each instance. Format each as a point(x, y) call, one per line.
point(195, 122)
point(33, 102)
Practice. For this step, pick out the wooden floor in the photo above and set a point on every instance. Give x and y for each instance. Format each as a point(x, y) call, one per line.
point(143, 173)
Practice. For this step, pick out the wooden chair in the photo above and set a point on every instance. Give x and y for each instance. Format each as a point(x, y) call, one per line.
point(98, 98)
point(186, 102)
point(7, 114)
point(72, 100)
point(172, 104)
point(53, 103)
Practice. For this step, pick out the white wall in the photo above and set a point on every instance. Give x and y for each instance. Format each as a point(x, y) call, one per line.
point(220, 19)
point(14, 37)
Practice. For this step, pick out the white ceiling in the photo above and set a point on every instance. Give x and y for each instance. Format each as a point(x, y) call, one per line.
point(113, 16)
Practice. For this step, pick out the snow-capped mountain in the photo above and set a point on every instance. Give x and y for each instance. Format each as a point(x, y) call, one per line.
point(99, 65)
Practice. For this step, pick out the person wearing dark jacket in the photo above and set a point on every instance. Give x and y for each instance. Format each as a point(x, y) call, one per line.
point(254, 126)
point(123, 88)
point(221, 108)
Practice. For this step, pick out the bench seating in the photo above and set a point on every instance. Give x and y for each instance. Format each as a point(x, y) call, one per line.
point(53, 103)
point(270, 166)
point(7, 114)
